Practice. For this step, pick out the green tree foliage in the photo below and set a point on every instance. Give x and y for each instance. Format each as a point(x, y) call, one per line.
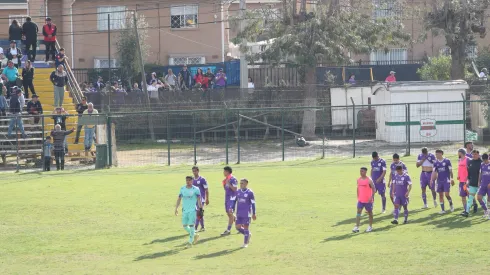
point(128, 56)
point(327, 34)
point(438, 68)
point(483, 59)
point(459, 21)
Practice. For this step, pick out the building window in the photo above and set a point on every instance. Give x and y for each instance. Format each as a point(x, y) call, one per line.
point(384, 9)
point(20, 18)
point(184, 17)
point(393, 56)
point(103, 63)
point(117, 14)
point(187, 60)
point(471, 51)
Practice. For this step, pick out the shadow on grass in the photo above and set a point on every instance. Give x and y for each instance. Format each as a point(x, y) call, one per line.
point(169, 239)
point(351, 235)
point(377, 217)
point(454, 221)
point(158, 255)
point(201, 241)
point(216, 254)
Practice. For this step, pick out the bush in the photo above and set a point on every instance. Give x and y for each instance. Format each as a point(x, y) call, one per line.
point(438, 68)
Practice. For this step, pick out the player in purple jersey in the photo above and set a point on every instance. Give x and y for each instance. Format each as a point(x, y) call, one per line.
point(245, 210)
point(442, 178)
point(230, 184)
point(484, 184)
point(378, 172)
point(401, 191)
point(396, 162)
point(426, 160)
point(202, 184)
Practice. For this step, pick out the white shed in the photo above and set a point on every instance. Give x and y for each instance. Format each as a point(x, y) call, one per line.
point(341, 97)
point(433, 114)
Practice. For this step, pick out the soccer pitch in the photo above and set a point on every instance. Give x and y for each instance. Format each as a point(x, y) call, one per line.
point(121, 221)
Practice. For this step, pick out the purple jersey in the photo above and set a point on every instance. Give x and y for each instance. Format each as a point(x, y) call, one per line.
point(245, 199)
point(202, 184)
point(443, 169)
point(401, 183)
point(470, 155)
point(377, 168)
point(485, 173)
point(228, 192)
point(393, 168)
point(430, 159)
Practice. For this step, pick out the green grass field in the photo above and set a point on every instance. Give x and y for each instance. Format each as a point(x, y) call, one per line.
point(120, 221)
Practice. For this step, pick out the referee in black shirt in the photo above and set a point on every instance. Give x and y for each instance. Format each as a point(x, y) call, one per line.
point(473, 175)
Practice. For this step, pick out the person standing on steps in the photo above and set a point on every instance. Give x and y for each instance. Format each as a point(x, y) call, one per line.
point(89, 129)
point(17, 102)
point(80, 109)
point(15, 32)
point(59, 78)
point(59, 136)
point(49, 32)
point(30, 30)
point(28, 78)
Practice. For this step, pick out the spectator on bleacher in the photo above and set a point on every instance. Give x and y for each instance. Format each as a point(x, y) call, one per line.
point(251, 84)
point(3, 100)
point(61, 58)
point(153, 90)
point(49, 32)
point(99, 84)
point(3, 59)
point(15, 54)
point(59, 116)
point(391, 77)
point(185, 78)
point(10, 74)
point(81, 107)
point(48, 147)
point(59, 78)
point(136, 88)
point(30, 30)
point(483, 74)
point(17, 103)
point(220, 80)
point(35, 108)
point(352, 79)
point(209, 74)
point(28, 79)
point(170, 80)
point(89, 129)
point(119, 93)
point(59, 141)
point(200, 80)
point(154, 77)
point(15, 32)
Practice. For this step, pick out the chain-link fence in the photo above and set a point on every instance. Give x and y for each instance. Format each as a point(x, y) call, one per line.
point(244, 135)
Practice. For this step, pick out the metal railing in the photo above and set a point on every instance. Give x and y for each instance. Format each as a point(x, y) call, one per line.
point(74, 88)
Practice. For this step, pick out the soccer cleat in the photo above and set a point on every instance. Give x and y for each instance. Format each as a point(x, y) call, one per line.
point(442, 212)
point(355, 230)
point(394, 222)
point(485, 215)
point(244, 245)
point(369, 229)
point(188, 245)
point(464, 214)
point(384, 211)
point(196, 238)
point(435, 204)
point(202, 229)
point(425, 206)
point(452, 208)
point(405, 221)
point(226, 233)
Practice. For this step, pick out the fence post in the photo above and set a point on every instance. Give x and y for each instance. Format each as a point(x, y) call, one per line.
point(168, 137)
point(109, 138)
point(353, 128)
point(409, 133)
point(282, 134)
point(43, 140)
point(226, 133)
point(323, 133)
point(238, 136)
point(194, 129)
point(17, 117)
point(464, 118)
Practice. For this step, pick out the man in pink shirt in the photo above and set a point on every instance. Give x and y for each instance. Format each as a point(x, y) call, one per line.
point(365, 196)
point(391, 77)
point(463, 162)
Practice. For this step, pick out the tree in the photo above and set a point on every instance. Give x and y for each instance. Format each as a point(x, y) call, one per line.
point(438, 68)
point(328, 34)
point(127, 55)
point(459, 21)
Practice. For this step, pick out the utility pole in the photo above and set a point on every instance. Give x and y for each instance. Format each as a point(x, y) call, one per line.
point(109, 43)
point(142, 69)
point(243, 59)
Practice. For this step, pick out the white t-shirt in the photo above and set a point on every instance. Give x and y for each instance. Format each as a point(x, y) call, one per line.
point(251, 85)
